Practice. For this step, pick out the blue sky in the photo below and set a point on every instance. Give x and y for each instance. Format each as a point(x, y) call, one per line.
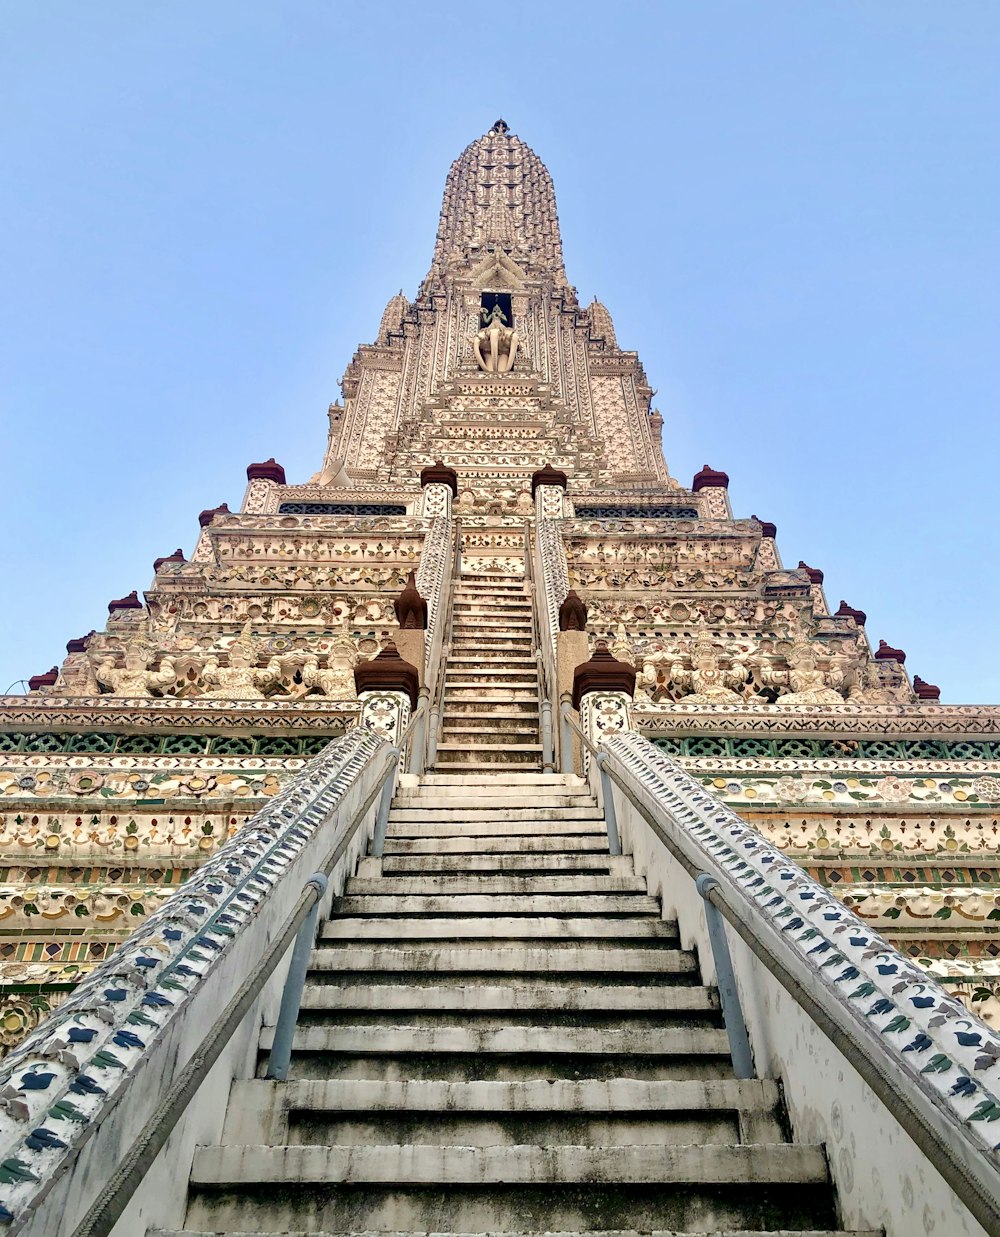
point(789, 208)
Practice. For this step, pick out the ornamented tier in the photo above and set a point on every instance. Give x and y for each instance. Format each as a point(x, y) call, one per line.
point(494, 472)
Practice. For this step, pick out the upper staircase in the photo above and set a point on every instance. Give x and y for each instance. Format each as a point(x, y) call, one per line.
point(500, 1034)
point(490, 702)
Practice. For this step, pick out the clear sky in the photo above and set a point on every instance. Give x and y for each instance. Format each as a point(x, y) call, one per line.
point(791, 210)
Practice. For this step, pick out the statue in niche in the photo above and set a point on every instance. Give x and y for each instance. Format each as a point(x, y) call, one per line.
point(495, 345)
point(803, 682)
point(337, 679)
point(708, 681)
point(135, 678)
point(652, 677)
point(240, 679)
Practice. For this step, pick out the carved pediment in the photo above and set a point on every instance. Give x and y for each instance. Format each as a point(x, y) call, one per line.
point(498, 271)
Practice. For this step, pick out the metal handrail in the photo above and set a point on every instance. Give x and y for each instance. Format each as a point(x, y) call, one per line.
point(107, 1208)
point(607, 800)
point(439, 654)
point(387, 783)
point(794, 976)
point(541, 664)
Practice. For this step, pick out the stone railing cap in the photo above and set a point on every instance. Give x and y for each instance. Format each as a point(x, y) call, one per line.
point(267, 471)
point(709, 477)
point(439, 473)
point(388, 672)
point(547, 475)
point(603, 673)
point(208, 515)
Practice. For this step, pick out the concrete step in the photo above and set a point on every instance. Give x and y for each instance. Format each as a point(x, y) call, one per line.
point(656, 1232)
point(496, 735)
point(580, 959)
point(514, 886)
point(496, 605)
point(509, 861)
point(432, 824)
point(496, 927)
point(591, 1113)
point(518, 904)
point(481, 766)
point(507, 662)
point(516, 781)
point(485, 998)
point(487, 758)
point(493, 1189)
point(470, 676)
point(486, 753)
point(462, 709)
point(470, 625)
point(449, 745)
point(487, 693)
point(467, 805)
point(484, 791)
point(496, 844)
point(400, 1040)
point(474, 642)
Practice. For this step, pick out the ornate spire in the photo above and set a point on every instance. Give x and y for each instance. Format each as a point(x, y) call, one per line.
point(601, 325)
point(499, 191)
point(392, 316)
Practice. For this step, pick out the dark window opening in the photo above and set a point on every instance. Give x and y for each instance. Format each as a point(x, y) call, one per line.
point(489, 299)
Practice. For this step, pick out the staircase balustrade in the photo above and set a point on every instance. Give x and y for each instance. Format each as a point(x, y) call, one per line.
point(868, 1047)
point(89, 1098)
point(448, 556)
point(549, 586)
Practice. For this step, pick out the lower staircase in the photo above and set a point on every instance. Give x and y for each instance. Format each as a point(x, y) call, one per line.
point(501, 1035)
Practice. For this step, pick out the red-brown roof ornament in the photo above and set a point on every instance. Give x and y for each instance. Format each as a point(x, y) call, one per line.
point(410, 607)
point(439, 473)
point(767, 529)
point(709, 477)
point(547, 475)
point(268, 471)
point(603, 673)
point(176, 557)
point(573, 613)
point(814, 573)
point(48, 679)
point(885, 652)
point(131, 602)
point(79, 644)
point(925, 691)
point(847, 611)
point(388, 673)
point(208, 515)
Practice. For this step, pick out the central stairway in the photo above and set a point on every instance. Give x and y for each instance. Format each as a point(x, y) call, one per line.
point(501, 1035)
point(489, 713)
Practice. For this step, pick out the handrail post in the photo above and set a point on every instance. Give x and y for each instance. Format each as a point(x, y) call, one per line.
point(433, 724)
point(566, 763)
point(729, 997)
point(384, 803)
point(545, 717)
point(291, 994)
point(608, 804)
point(418, 745)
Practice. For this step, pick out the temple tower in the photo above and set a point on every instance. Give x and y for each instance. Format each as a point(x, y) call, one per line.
point(494, 500)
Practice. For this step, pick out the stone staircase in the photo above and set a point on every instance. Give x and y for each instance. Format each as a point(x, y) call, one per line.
point(490, 704)
point(500, 1035)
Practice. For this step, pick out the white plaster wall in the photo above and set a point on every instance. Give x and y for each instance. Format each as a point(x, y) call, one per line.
point(161, 1199)
point(882, 1178)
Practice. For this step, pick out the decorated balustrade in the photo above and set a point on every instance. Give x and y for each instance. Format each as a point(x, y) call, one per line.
point(874, 1055)
point(82, 1088)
